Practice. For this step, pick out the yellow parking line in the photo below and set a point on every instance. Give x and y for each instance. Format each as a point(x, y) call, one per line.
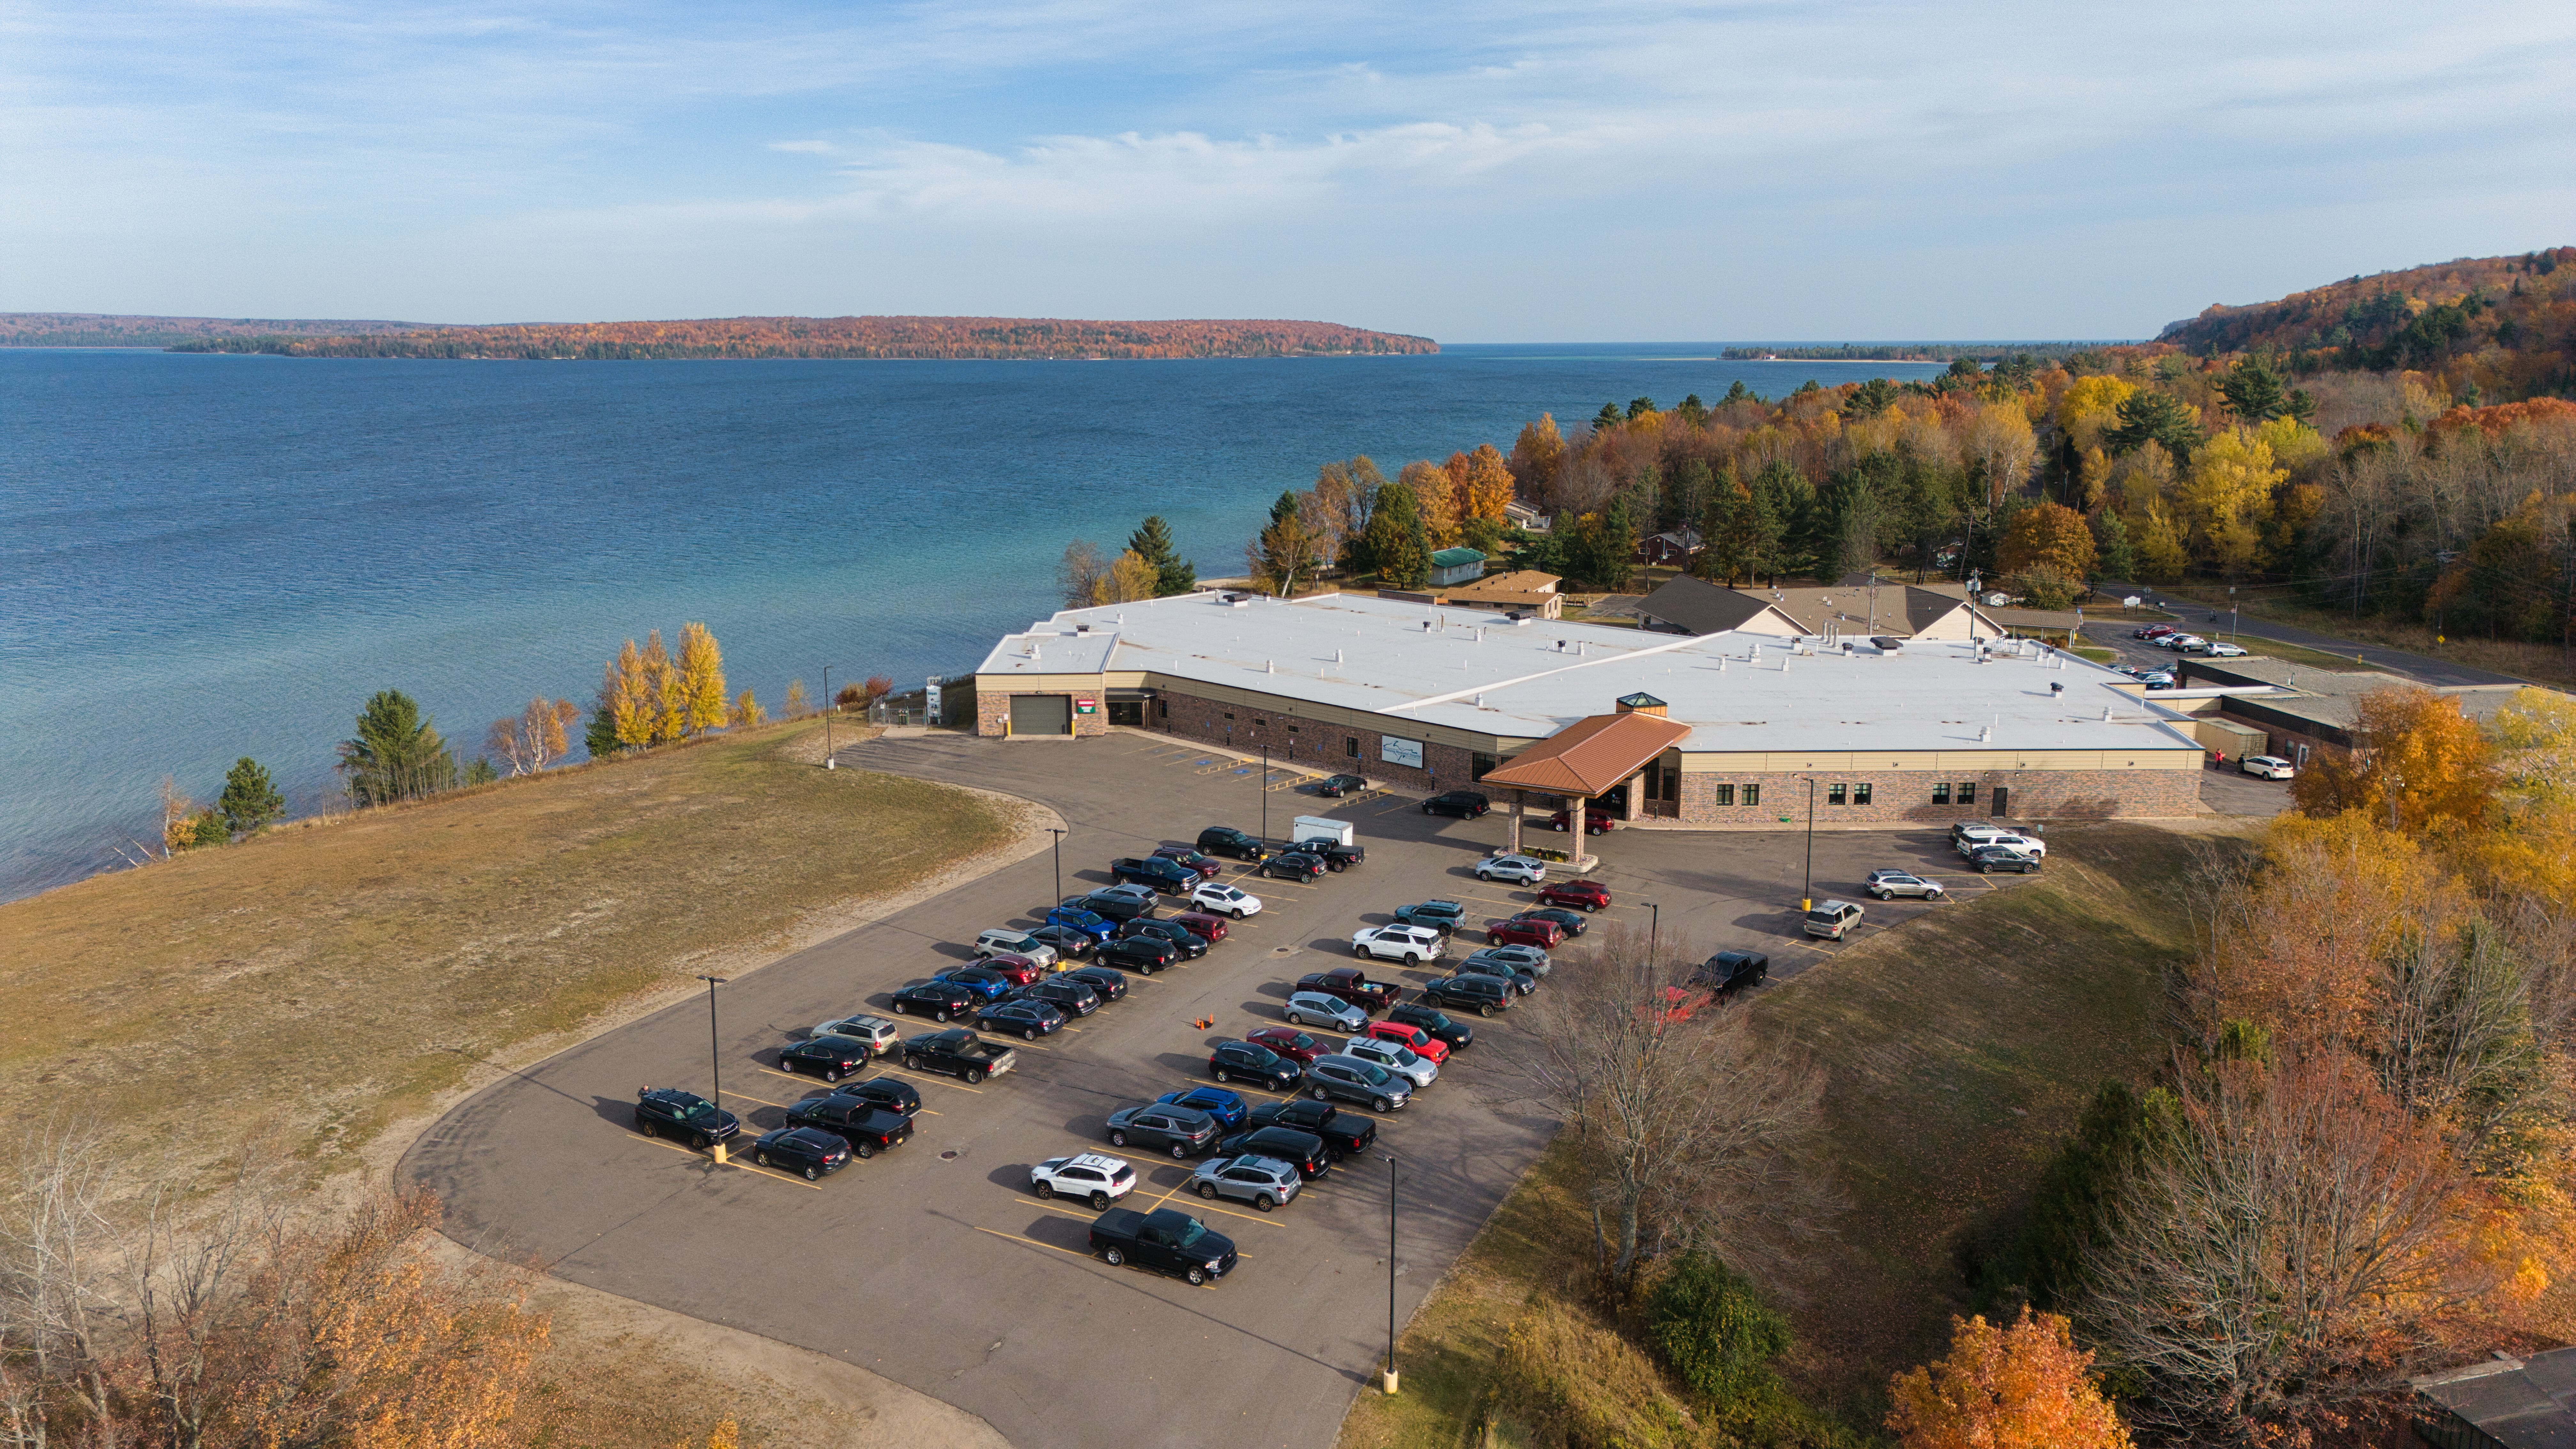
point(1240, 1087)
point(745, 1166)
point(1034, 1243)
point(1202, 1205)
point(756, 1170)
point(764, 1101)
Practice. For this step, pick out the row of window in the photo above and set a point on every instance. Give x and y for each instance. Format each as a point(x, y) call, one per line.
point(1846, 792)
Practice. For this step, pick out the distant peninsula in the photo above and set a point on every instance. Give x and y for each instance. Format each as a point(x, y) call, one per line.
point(109, 329)
point(754, 337)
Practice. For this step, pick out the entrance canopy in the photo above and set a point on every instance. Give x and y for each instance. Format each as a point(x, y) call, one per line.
point(1591, 755)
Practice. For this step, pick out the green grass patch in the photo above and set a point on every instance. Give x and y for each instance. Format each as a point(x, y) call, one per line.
point(335, 977)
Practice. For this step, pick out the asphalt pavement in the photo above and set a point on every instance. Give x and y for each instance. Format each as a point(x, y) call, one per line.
point(2220, 624)
point(935, 1266)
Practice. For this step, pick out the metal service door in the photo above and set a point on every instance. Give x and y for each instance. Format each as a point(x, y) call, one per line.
point(1041, 714)
point(2003, 802)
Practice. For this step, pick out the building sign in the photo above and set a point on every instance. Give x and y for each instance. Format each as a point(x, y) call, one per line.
point(1086, 706)
point(1400, 752)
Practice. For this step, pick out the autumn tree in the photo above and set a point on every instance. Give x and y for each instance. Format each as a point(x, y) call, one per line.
point(396, 753)
point(1434, 502)
point(797, 703)
point(1152, 542)
point(1489, 485)
point(1538, 455)
point(1130, 578)
point(1082, 574)
point(250, 799)
point(2050, 547)
point(536, 737)
point(186, 825)
point(2418, 764)
point(747, 711)
point(665, 708)
point(1291, 548)
point(2227, 498)
point(700, 682)
point(1999, 442)
point(2025, 1386)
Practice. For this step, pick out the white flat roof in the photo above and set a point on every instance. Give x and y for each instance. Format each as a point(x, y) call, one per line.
point(1473, 670)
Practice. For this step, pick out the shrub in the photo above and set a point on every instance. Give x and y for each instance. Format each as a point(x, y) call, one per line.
point(1717, 1336)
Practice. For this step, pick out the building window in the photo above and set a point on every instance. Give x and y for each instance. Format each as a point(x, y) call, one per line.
point(1260, 724)
point(1229, 714)
point(1351, 746)
point(1752, 794)
point(1162, 709)
point(1967, 792)
point(1479, 765)
point(1860, 793)
point(1834, 793)
point(1725, 795)
point(1292, 729)
point(1941, 793)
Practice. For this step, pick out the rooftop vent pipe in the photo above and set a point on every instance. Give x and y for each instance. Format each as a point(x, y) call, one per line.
point(1270, 666)
point(1985, 734)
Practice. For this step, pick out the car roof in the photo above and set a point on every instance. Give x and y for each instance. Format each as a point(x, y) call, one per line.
point(1101, 1160)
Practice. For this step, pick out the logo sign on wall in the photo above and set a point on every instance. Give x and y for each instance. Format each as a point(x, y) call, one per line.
point(1085, 706)
point(1400, 752)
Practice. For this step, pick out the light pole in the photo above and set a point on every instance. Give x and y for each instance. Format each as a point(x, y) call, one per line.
point(1059, 860)
point(1390, 1273)
point(1265, 789)
point(1808, 903)
point(1654, 932)
point(828, 708)
point(715, 1060)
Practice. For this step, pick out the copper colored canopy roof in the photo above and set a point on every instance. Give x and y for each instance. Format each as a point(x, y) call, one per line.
point(1590, 755)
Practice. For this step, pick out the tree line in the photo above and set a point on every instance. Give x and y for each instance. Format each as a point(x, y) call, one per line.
point(841, 337)
point(1149, 567)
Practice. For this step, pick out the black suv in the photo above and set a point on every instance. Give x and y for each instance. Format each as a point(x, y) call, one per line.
point(670, 1112)
point(1112, 905)
point(1231, 843)
point(807, 1150)
point(1148, 954)
point(1732, 970)
point(1435, 1022)
point(1295, 865)
point(867, 1128)
point(828, 1057)
point(1465, 804)
point(1345, 1134)
point(886, 1094)
point(1189, 943)
point(1483, 995)
point(1073, 998)
point(1109, 983)
point(938, 1000)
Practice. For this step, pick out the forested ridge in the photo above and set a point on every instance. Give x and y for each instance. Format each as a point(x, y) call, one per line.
point(844, 337)
point(108, 329)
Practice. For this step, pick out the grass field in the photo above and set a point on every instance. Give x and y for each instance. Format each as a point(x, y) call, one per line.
point(328, 980)
point(1961, 1047)
point(2541, 663)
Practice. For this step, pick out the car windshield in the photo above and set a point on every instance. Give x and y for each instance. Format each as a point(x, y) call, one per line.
point(694, 1107)
point(1188, 1233)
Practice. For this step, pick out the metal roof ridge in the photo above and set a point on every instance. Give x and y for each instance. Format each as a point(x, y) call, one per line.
point(1679, 641)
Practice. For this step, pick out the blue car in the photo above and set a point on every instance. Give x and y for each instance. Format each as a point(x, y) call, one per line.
point(1098, 928)
point(1228, 1108)
point(991, 985)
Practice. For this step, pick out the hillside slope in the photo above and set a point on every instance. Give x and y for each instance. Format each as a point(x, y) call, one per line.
point(846, 337)
point(110, 329)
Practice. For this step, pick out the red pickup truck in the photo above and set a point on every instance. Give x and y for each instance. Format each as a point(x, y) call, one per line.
point(1348, 983)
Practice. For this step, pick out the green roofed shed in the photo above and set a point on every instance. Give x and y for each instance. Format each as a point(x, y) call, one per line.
point(1456, 566)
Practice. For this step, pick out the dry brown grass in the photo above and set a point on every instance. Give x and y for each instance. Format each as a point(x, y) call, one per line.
point(337, 978)
point(2541, 663)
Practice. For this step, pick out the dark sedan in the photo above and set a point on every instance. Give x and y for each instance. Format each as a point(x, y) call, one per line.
point(1148, 954)
point(1069, 943)
point(1107, 981)
point(1991, 858)
point(1465, 804)
point(886, 1094)
point(1070, 997)
point(828, 1057)
point(1433, 1020)
point(1242, 1061)
point(1340, 785)
point(1025, 1019)
point(938, 1000)
point(1189, 943)
point(809, 1152)
point(1295, 1045)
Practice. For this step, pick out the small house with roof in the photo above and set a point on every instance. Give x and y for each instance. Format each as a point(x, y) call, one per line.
point(1456, 566)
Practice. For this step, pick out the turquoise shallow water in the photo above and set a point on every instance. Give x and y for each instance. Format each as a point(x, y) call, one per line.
point(204, 557)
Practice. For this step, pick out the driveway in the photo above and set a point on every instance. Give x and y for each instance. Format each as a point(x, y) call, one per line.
point(2218, 624)
point(933, 1265)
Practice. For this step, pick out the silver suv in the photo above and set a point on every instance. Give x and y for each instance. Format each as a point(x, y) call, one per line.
point(1889, 884)
point(1354, 1080)
point(1264, 1182)
point(1830, 919)
point(1518, 869)
point(879, 1033)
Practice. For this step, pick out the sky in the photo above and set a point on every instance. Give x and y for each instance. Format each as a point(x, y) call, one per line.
point(1492, 172)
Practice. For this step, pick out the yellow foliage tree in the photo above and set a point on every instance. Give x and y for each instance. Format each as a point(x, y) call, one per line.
point(2419, 765)
point(1436, 498)
point(1129, 578)
point(2023, 1387)
point(701, 681)
point(2228, 497)
point(2293, 443)
point(797, 705)
point(747, 711)
point(1539, 454)
point(2161, 556)
point(1999, 440)
point(1489, 483)
point(2047, 536)
point(626, 696)
point(2089, 405)
point(665, 712)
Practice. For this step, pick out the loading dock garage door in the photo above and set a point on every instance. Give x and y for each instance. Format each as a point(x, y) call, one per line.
point(1041, 714)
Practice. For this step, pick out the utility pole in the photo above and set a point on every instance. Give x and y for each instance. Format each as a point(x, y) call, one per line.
point(1059, 860)
point(1654, 932)
point(715, 1061)
point(1390, 1274)
point(828, 707)
point(1265, 790)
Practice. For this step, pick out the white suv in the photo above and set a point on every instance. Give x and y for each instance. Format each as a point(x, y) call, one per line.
point(1408, 944)
point(1094, 1177)
point(2030, 845)
point(1830, 919)
point(2270, 767)
point(1011, 941)
point(1518, 869)
point(1225, 900)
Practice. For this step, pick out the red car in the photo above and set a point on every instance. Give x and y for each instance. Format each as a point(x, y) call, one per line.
point(1523, 931)
point(1291, 1043)
point(1020, 969)
point(1583, 895)
point(1594, 822)
point(1424, 1044)
point(1201, 924)
point(1208, 866)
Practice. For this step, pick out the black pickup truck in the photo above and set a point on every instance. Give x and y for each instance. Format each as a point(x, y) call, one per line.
point(1334, 854)
point(1345, 1134)
point(868, 1128)
point(959, 1053)
point(1163, 1240)
point(1168, 876)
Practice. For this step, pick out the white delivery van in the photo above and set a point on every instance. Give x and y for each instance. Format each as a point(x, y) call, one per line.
point(1316, 827)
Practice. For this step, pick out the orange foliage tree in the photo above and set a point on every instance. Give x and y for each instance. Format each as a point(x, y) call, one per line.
point(2023, 1387)
point(2419, 764)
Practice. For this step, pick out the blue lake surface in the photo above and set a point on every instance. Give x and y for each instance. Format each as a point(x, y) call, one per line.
point(206, 557)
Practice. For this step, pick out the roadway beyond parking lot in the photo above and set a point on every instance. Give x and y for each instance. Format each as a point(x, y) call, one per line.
point(934, 1266)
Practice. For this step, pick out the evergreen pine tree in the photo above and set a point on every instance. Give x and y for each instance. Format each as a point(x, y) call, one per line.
point(397, 754)
point(1396, 545)
point(1152, 541)
point(2114, 555)
point(250, 799)
point(600, 736)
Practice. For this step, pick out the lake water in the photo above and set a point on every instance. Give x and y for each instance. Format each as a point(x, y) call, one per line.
point(205, 557)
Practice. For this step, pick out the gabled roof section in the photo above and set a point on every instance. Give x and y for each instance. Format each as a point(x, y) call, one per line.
point(1453, 558)
point(1590, 755)
point(1700, 607)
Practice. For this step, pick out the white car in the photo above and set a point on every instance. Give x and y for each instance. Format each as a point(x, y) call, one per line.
point(1314, 1008)
point(1518, 869)
point(2270, 767)
point(879, 1033)
point(2183, 643)
point(1225, 900)
point(1395, 1057)
point(2221, 649)
point(1093, 1177)
point(1411, 945)
point(2030, 845)
point(1965, 836)
point(1011, 941)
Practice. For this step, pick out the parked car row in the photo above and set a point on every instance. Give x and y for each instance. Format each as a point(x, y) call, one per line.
point(2166, 636)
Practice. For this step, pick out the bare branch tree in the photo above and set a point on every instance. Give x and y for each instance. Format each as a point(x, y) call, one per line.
point(1689, 1124)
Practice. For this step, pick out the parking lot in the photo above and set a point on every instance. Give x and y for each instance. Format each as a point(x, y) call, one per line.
point(934, 1265)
